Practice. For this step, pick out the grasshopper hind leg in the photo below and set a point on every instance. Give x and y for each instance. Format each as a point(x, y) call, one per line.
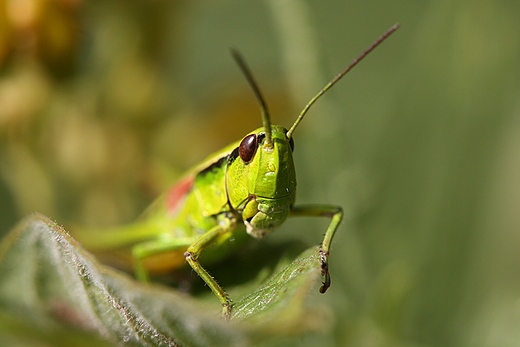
point(149, 249)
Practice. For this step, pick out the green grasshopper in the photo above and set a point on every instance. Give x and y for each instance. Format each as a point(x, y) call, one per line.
point(249, 185)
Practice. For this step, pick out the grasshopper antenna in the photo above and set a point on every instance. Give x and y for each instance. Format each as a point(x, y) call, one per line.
point(263, 105)
point(338, 77)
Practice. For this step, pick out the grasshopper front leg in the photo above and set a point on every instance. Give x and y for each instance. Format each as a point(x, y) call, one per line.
point(226, 224)
point(336, 215)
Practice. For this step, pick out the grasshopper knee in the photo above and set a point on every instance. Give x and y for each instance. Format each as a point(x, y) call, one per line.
point(190, 256)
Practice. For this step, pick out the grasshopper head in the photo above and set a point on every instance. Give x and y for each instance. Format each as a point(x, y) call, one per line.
point(261, 181)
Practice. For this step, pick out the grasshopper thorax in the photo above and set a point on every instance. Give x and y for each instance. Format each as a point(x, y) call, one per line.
point(261, 181)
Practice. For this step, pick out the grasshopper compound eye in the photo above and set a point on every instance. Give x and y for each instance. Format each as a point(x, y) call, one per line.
point(247, 148)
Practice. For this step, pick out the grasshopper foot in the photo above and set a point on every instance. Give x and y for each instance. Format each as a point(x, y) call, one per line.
point(226, 310)
point(325, 271)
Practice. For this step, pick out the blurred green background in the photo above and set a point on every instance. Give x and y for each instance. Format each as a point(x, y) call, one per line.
point(103, 104)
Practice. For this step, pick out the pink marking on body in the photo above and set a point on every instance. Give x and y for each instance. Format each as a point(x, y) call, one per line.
point(177, 194)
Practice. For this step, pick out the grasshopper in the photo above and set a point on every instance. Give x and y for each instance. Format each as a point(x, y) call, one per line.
point(248, 186)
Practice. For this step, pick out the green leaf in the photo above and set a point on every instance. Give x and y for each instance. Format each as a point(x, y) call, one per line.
point(281, 298)
point(52, 291)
